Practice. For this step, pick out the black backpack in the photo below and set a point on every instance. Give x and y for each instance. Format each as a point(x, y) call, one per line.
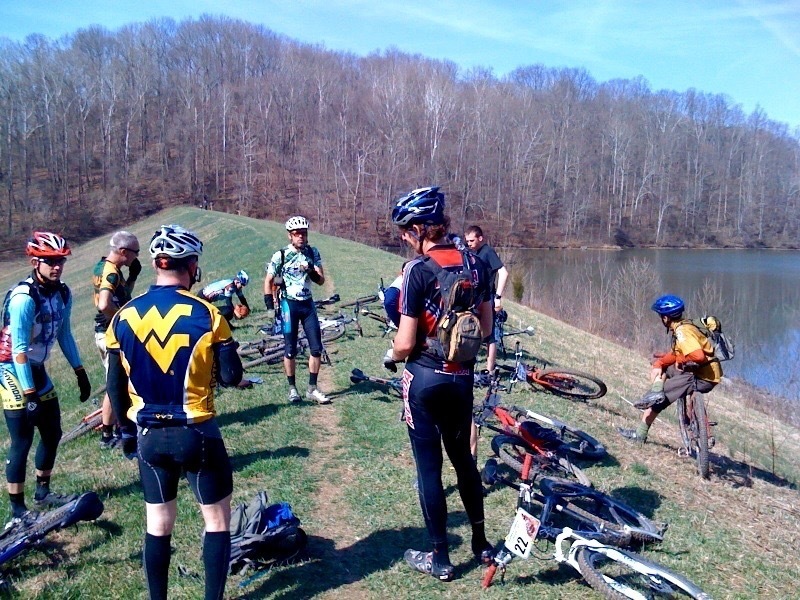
point(264, 535)
point(458, 331)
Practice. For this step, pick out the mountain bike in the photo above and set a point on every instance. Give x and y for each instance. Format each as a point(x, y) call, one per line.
point(695, 430)
point(595, 554)
point(567, 383)
point(388, 326)
point(573, 440)
point(90, 422)
point(394, 384)
point(500, 319)
point(22, 534)
point(529, 448)
point(361, 301)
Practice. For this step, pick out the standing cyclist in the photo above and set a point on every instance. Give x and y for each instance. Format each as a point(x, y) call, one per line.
point(220, 294)
point(689, 366)
point(163, 346)
point(437, 394)
point(36, 314)
point(290, 269)
point(498, 278)
point(111, 291)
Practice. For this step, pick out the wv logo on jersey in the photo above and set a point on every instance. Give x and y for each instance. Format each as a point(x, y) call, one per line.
point(153, 330)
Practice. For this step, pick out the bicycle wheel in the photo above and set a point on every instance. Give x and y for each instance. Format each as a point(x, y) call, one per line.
point(270, 358)
point(700, 428)
point(362, 300)
point(333, 332)
point(602, 512)
point(85, 426)
point(259, 347)
point(512, 451)
point(569, 383)
point(684, 425)
point(620, 574)
point(576, 441)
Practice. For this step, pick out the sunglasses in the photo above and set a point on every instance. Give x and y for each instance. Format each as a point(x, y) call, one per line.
point(136, 252)
point(53, 261)
point(299, 232)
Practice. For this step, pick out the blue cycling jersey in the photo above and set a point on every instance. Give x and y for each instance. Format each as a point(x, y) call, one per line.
point(34, 327)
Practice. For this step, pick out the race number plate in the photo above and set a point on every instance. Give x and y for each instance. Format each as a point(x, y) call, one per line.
point(522, 534)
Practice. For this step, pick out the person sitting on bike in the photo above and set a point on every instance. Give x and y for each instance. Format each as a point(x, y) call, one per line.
point(437, 393)
point(220, 294)
point(165, 349)
point(110, 291)
point(689, 367)
point(36, 315)
point(290, 270)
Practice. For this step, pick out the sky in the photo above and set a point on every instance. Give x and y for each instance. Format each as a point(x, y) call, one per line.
point(748, 50)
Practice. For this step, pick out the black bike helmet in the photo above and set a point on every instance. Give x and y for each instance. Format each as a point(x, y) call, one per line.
point(424, 206)
point(669, 306)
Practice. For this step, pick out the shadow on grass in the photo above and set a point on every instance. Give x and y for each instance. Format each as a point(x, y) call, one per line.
point(330, 568)
point(368, 387)
point(739, 474)
point(240, 461)
point(251, 415)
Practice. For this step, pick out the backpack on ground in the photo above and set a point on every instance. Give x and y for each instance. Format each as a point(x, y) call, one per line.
point(711, 327)
point(458, 331)
point(264, 535)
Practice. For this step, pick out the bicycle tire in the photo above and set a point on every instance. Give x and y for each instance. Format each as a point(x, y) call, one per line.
point(701, 430)
point(334, 332)
point(620, 574)
point(270, 358)
point(569, 383)
point(362, 300)
point(83, 428)
point(576, 441)
point(603, 512)
point(254, 348)
point(512, 450)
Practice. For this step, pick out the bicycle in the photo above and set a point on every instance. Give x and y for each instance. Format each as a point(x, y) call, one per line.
point(388, 326)
point(567, 383)
point(529, 448)
point(573, 440)
point(22, 534)
point(89, 422)
point(594, 554)
point(394, 384)
point(695, 431)
point(500, 319)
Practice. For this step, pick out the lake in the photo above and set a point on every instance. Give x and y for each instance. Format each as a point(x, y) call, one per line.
point(758, 298)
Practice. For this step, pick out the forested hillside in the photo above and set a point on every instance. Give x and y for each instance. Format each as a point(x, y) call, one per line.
point(102, 127)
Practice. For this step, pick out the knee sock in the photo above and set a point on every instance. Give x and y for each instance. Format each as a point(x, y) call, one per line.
point(156, 564)
point(312, 380)
point(291, 380)
point(216, 556)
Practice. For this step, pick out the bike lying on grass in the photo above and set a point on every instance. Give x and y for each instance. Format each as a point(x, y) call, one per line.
point(592, 551)
point(394, 384)
point(695, 430)
point(529, 448)
point(22, 534)
point(568, 383)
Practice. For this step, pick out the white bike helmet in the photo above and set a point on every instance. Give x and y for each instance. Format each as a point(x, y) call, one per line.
point(243, 277)
point(175, 242)
point(297, 222)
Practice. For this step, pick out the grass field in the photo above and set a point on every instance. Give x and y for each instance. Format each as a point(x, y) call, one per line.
point(346, 468)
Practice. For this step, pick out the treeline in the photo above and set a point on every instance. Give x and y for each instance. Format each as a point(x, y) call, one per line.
point(99, 128)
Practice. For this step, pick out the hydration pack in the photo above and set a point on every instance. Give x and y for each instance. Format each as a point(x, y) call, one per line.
point(458, 331)
point(33, 292)
point(711, 327)
point(264, 534)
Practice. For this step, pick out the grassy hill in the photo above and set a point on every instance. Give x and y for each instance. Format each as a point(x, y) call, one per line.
point(347, 470)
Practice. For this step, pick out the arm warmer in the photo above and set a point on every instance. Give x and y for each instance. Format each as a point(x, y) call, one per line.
point(230, 365)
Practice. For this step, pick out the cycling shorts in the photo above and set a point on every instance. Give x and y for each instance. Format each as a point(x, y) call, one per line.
point(167, 452)
point(293, 313)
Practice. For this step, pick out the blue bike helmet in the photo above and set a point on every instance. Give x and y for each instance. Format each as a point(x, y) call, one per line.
point(669, 306)
point(423, 206)
point(243, 277)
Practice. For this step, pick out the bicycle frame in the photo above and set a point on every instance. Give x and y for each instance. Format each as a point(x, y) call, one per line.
point(695, 431)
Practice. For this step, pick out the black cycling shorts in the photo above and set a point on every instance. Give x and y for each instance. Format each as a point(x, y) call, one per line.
point(295, 312)
point(167, 452)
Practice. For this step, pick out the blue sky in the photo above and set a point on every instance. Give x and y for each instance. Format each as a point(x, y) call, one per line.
point(748, 50)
